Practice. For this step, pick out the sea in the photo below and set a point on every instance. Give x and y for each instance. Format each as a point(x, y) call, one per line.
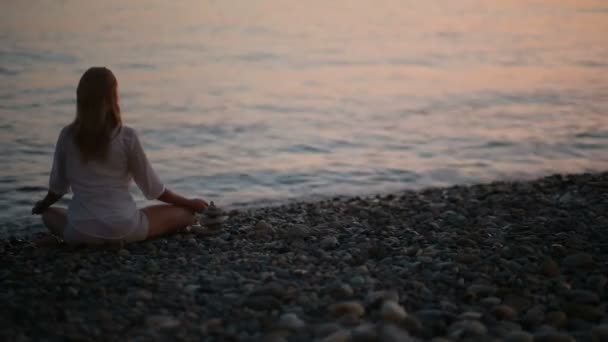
point(261, 102)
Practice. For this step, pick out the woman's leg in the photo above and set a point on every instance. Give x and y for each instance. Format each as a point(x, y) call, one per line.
point(166, 219)
point(55, 220)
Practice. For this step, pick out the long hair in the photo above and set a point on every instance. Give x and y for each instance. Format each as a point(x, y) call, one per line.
point(97, 113)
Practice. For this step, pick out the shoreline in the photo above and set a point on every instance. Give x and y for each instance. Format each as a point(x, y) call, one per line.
point(517, 260)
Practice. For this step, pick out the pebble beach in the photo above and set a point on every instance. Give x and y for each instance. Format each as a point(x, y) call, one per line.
point(505, 261)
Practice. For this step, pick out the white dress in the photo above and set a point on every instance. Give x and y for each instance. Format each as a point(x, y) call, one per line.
point(102, 207)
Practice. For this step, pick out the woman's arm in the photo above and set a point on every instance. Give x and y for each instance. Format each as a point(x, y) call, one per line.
point(49, 200)
point(170, 197)
point(149, 183)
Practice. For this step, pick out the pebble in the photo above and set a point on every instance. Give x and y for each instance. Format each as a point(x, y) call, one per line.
point(585, 312)
point(467, 328)
point(341, 290)
point(550, 268)
point(477, 290)
point(534, 316)
point(263, 226)
point(577, 261)
point(600, 333)
point(552, 336)
point(213, 325)
point(341, 335)
point(347, 308)
point(291, 321)
point(470, 315)
point(365, 332)
point(490, 301)
point(391, 333)
point(519, 336)
point(504, 312)
point(326, 329)
point(556, 318)
point(329, 242)
point(162, 322)
point(392, 311)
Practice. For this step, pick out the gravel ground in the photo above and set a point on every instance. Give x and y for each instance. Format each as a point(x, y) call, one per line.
point(523, 261)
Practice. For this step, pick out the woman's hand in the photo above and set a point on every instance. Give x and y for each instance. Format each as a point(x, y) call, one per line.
point(39, 208)
point(198, 205)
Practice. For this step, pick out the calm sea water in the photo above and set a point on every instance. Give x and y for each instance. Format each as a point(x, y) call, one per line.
point(246, 102)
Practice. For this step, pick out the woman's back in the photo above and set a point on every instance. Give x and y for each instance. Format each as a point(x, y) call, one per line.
point(102, 205)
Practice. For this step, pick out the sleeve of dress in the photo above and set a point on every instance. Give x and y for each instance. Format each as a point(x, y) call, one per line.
point(143, 173)
point(58, 181)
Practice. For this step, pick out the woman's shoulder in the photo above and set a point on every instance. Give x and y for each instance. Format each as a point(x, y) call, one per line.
point(129, 134)
point(65, 131)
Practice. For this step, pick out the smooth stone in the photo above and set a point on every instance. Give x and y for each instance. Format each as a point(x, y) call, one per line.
point(600, 333)
point(341, 291)
point(583, 296)
point(341, 335)
point(465, 258)
point(552, 336)
point(392, 311)
point(412, 325)
point(365, 332)
point(467, 328)
point(273, 289)
point(481, 290)
point(357, 280)
point(346, 308)
point(291, 321)
point(585, 312)
point(535, 315)
point(263, 226)
point(329, 242)
point(578, 260)
point(162, 322)
point(517, 302)
point(504, 312)
point(213, 325)
point(470, 315)
point(556, 318)
point(275, 337)
point(391, 333)
point(550, 268)
point(376, 297)
point(519, 336)
point(262, 303)
point(326, 329)
point(598, 283)
point(490, 301)
point(298, 230)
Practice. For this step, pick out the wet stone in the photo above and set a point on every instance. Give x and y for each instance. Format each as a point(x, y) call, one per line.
point(392, 311)
point(600, 333)
point(467, 328)
point(341, 335)
point(552, 336)
point(504, 312)
point(550, 268)
point(347, 308)
point(519, 336)
point(556, 318)
point(578, 261)
point(291, 321)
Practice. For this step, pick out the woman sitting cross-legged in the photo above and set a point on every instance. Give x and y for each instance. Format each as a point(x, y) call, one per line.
point(97, 156)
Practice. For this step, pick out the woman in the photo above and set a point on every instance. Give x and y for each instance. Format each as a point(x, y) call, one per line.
point(97, 156)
